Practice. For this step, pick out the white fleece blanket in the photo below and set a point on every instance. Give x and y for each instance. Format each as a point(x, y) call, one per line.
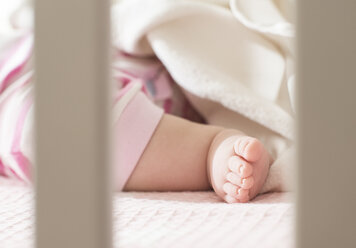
point(159, 220)
point(231, 56)
point(234, 56)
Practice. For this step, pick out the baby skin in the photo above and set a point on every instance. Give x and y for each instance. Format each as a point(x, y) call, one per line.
point(187, 156)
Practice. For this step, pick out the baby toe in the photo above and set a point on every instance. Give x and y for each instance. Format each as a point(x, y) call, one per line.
point(230, 199)
point(242, 194)
point(247, 183)
point(245, 170)
point(249, 148)
point(230, 189)
point(239, 166)
point(244, 199)
point(233, 178)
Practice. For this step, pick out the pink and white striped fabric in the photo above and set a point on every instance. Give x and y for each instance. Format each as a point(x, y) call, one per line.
point(16, 113)
point(16, 88)
point(16, 110)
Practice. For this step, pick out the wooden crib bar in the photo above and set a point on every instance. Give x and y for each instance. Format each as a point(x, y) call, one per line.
point(73, 195)
point(327, 137)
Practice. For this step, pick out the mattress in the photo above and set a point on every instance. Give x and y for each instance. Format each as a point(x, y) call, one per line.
point(172, 219)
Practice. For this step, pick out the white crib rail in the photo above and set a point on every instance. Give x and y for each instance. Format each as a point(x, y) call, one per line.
point(327, 122)
point(73, 206)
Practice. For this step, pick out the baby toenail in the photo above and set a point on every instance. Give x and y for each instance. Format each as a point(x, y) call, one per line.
point(242, 169)
point(248, 182)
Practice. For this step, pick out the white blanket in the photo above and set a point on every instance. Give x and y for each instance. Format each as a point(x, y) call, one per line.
point(232, 56)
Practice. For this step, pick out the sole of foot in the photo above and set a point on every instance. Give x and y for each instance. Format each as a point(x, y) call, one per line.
point(237, 166)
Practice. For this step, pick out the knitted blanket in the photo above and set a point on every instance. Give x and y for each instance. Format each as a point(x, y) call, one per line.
point(187, 219)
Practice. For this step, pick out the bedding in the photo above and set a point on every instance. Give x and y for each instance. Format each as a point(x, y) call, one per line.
point(188, 219)
point(233, 56)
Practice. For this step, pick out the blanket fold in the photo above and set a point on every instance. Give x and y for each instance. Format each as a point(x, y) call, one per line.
point(236, 54)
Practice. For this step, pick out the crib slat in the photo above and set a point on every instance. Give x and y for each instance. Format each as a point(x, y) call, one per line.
point(73, 207)
point(327, 122)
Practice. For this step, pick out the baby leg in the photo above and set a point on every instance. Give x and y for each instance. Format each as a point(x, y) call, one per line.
point(184, 155)
point(175, 158)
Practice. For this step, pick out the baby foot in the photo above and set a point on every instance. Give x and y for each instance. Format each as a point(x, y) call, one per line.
point(237, 166)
